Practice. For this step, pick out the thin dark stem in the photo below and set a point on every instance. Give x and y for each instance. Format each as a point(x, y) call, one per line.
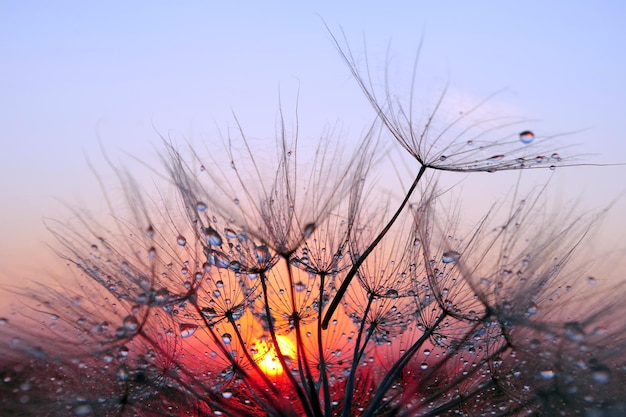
point(320, 347)
point(303, 363)
point(346, 282)
point(358, 353)
point(397, 367)
point(250, 359)
point(279, 354)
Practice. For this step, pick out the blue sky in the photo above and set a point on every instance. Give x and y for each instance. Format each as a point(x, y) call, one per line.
point(75, 73)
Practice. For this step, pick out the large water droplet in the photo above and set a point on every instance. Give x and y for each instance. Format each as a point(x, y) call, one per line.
point(181, 240)
point(122, 373)
point(187, 329)
point(131, 323)
point(213, 237)
point(219, 259)
point(262, 254)
point(574, 332)
point(450, 256)
point(526, 137)
point(308, 230)
point(601, 374)
point(208, 312)
point(227, 338)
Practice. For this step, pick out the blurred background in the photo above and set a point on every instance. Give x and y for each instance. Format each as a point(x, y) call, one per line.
point(80, 77)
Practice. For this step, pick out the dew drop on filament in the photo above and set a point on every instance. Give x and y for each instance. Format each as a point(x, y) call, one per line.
point(450, 256)
point(213, 237)
point(187, 329)
point(526, 137)
point(308, 230)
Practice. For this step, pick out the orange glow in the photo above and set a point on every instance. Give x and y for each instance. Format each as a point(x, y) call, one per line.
point(267, 359)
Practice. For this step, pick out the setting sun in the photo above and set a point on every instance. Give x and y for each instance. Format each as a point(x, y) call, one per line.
point(266, 356)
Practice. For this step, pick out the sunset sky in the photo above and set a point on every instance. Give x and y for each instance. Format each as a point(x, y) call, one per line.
point(74, 75)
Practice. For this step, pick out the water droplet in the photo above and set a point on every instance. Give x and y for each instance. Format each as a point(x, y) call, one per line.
point(82, 410)
point(426, 352)
point(227, 338)
point(308, 230)
point(539, 159)
point(424, 365)
point(392, 293)
point(181, 240)
point(556, 157)
point(299, 286)
point(122, 373)
point(150, 231)
point(574, 332)
point(200, 206)
point(131, 323)
point(218, 259)
point(212, 236)
point(417, 242)
point(152, 252)
point(601, 374)
point(208, 312)
point(187, 329)
point(526, 137)
point(262, 254)
point(495, 158)
point(532, 309)
point(227, 394)
point(230, 233)
point(236, 201)
point(450, 256)
point(591, 281)
point(547, 374)
point(443, 158)
point(4, 321)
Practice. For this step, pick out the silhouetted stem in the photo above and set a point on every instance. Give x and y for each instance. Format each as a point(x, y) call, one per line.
point(358, 353)
point(397, 367)
point(346, 282)
point(250, 359)
point(303, 363)
point(320, 347)
point(279, 354)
